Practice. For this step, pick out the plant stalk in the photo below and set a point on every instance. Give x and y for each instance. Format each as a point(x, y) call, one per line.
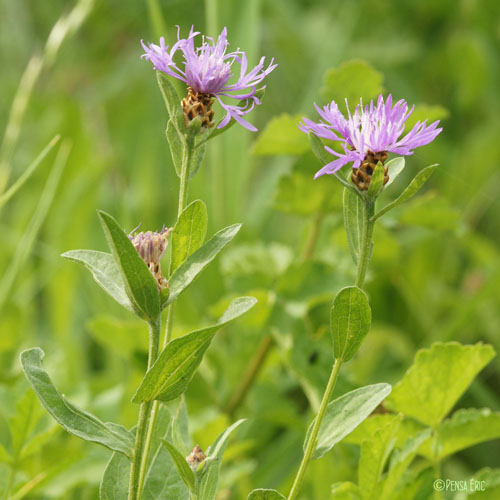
point(363, 261)
point(153, 407)
point(140, 456)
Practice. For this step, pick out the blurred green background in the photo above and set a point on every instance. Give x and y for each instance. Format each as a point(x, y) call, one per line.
point(435, 271)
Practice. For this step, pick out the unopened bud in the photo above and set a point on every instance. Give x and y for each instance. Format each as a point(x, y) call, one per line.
point(196, 457)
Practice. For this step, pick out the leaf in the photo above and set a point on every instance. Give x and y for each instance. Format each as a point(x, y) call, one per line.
point(189, 232)
point(466, 428)
point(195, 263)
point(437, 379)
point(345, 413)
point(161, 481)
point(376, 182)
point(282, 137)
point(374, 454)
point(352, 80)
point(196, 160)
point(401, 460)
point(105, 272)
point(350, 321)
point(262, 494)
point(19, 183)
point(172, 102)
point(140, 285)
point(353, 222)
point(411, 190)
point(176, 146)
point(345, 491)
point(485, 485)
point(75, 420)
point(173, 370)
point(207, 487)
point(183, 469)
point(395, 167)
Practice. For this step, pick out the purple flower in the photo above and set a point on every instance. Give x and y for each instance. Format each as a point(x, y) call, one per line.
point(208, 69)
point(369, 131)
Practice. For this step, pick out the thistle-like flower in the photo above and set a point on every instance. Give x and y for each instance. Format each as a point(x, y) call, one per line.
point(151, 246)
point(207, 71)
point(368, 135)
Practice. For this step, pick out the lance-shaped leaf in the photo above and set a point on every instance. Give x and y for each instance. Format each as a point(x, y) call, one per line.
point(344, 414)
point(105, 272)
point(189, 232)
point(394, 167)
point(262, 494)
point(353, 222)
point(183, 469)
point(140, 285)
point(437, 379)
point(172, 102)
point(411, 190)
point(376, 182)
point(194, 264)
point(176, 146)
point(207, 487)
point(350, 321)
point(75, 420)
point(173, 370)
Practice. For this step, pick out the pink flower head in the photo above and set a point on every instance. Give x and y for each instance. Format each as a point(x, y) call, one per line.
point(208, 68)
point(375, 128)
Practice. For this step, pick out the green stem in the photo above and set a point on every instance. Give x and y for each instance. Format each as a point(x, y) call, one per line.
point(312, 239)
point(148, 419)
point(311, 443)
point(364, 259)
point(141, 449)
point(366, 241)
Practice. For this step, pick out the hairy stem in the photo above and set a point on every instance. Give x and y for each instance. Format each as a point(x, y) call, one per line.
point(364, 259)
point(140, 457)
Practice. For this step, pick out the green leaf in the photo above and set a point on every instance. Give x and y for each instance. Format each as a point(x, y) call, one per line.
point(172, 102)
point(352, 80)
point(183, 469)
point(395, 167)
point(353, 222)
point(282, 137)
point(401, 460)
point(437, 379)
point(345, 491)
point(161, 481)
point(487, 485)
point(207, 487)
point(466, 428)
point(196, 160)
point(105, 272)
point(411, 190)
point(345, 413)
point(350, 321)
point(376, 182)
point(75, 420)
point(262, 494)
point(195, 263)
point(374, 454)
point(189, 232)
point(176, 146)
point(140, 285)
point(173, 370)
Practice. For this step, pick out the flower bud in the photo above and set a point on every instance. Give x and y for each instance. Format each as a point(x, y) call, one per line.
point(151, 246)
point(195, 458)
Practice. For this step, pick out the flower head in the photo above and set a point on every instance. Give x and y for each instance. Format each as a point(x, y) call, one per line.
point(208, 69)
point(372, 131)
point(151, 246)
